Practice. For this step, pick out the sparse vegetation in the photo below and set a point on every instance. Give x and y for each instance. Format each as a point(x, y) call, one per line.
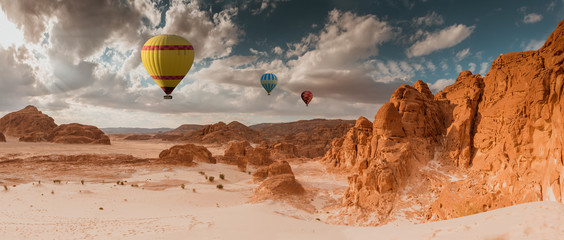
point(219, 186)
point(249, 173)
point(82, 182)
point(52, 191)
point(317, 219)
point(5, 188)
point(134, 185)
point(182, 186)
point(57, 181)
point(120, 183)
point(206, 177)
point(222, 176)
point(193, 190)
point(101, 208)
point(202, 173)
point(211, 178)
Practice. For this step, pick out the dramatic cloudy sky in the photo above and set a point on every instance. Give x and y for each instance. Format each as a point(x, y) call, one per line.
point(79, 60)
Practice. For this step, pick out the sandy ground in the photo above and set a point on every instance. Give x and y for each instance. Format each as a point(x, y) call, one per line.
point(151, 203)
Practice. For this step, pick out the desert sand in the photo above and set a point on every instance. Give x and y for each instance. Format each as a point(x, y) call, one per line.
point(151, 204)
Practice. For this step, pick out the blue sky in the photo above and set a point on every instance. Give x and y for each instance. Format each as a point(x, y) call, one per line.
point(79, 61)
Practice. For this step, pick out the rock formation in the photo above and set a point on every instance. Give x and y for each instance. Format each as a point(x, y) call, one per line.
point(78, 133)
point(26, 122)
point(242, 154)
point(276, 168)
point(280, 182)
point(2, 137)
point(222, 133)
point(312, 138)
point(480, 144)
point(284, 150)
point(187, 154)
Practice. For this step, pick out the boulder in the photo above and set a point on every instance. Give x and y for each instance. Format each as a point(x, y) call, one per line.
point(187, 154)
point(75, 133)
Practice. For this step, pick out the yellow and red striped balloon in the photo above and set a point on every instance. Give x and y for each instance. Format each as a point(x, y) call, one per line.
point(167, 58)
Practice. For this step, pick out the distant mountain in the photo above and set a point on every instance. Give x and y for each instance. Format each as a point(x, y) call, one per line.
point(275, 130)
point(124, 130)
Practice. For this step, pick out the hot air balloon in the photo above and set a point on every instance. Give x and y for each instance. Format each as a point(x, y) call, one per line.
point(268, 82)
point(167, 58)
point(307, 96)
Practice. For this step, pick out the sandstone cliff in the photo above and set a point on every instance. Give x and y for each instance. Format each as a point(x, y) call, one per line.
point(480, 144)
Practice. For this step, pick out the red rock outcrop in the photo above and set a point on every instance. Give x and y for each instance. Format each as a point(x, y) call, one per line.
point(280, 182)
point(480, 144)
point(2, 137)
point(186, 154)
point(78, 134)
point(222, 133)
point(243, 154)
point(276, 168)
point(284, 150)
point(26, 122)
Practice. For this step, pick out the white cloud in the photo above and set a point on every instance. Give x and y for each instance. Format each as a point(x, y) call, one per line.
point(462, 54)
point(430, 19)
point(458, 68)
point(266, 4)
point(445, 38)
point(472, 67)
point(211, 35)
point(431, 66)
point(533, 45)
point(532, 18)
point(440, 84)
point(444, 66)
point(278, 50)
point(484, 68)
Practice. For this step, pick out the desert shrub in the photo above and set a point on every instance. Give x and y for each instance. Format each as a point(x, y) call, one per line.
point(202, 173)
point(82, 182)
point(221, 176)
point(5, 188)
point(57, 181)
point(219, 186)
point(193, 190)
point(134, 185)
point(211, 178)
point(182, 186)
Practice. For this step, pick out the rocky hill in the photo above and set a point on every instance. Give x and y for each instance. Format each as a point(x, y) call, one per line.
point(222, 133)
point(31, 125)
point(480, 144)
point(27, 122)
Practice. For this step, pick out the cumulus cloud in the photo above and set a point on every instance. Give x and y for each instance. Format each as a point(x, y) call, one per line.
point(532, 18)
point(471, 67)
point(533, 44)
point(278, 50)
point(445, 38)
point(484, 68)
point(440, 84)
point(430, 19)
point(462, 54)
point(265, 5)
point(211, 35)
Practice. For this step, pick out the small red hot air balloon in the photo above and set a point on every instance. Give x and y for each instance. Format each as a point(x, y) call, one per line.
point(307, 96)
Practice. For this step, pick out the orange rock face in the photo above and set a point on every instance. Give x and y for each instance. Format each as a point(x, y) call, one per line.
point(480, 144)
point(280, 182)
point(276, 168)
point(78, 133)
point(187, 154)
point(2, 137)
point(26, 122)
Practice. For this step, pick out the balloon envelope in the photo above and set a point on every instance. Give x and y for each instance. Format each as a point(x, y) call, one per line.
point(268, 82)
point(167, 58)
point(307, 96)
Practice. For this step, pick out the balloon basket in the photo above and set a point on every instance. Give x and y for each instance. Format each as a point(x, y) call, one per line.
point(167, 97)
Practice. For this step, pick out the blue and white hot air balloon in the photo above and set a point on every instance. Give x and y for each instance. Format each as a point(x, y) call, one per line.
point(268, 82)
